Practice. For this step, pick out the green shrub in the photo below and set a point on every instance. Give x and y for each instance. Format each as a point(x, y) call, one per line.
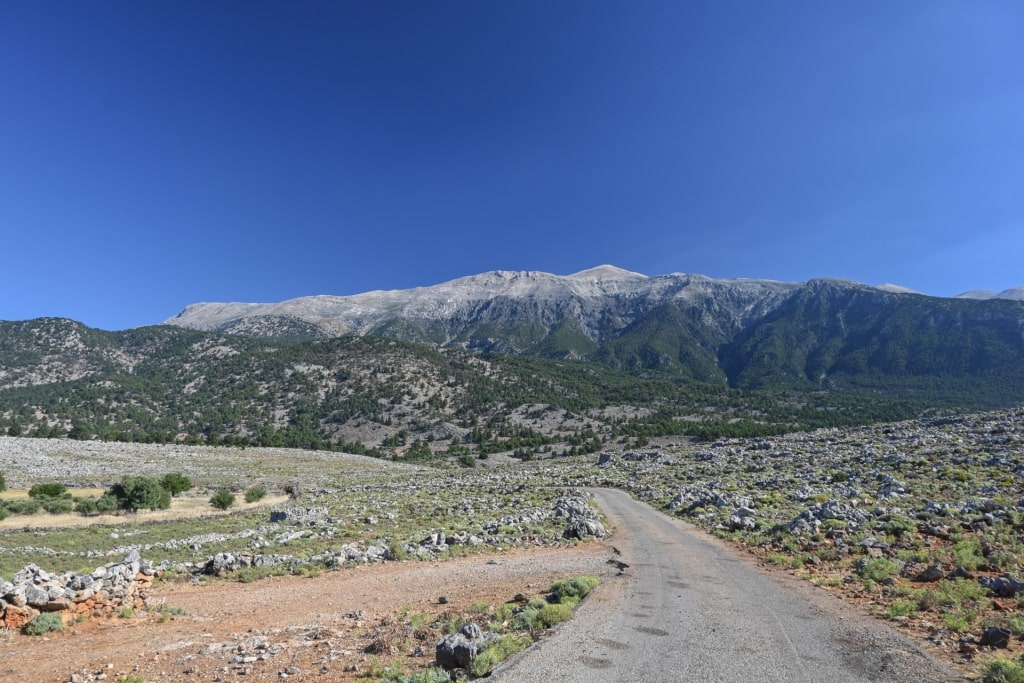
point(900, 526)
point(902, 608)
point(432, 675)
point(967, 554)
point(573, 590)
point(95, 506)
point(255, 493)
point(28, 506)
point(134, 493)
point(44, 623)
point(57, 506)
point(47, 491)
point(106, 503)
point(175, 483)
point(498, 652)
point(959, 592)
point(958, 621)
point(879, 569)
point(223, 499)
point(555, 614)
point(1001, 670)
point(529, 619)
point(3, 482)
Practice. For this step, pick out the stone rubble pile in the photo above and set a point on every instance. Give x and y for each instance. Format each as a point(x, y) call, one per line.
point(110, 588)
point(702, 496)
point(582, 520)
point(302, 516)
point(813, 517)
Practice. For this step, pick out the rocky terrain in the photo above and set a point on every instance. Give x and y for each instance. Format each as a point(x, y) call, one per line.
point(918, 522)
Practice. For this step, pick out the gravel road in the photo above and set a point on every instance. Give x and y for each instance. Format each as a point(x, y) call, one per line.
point(688, 608)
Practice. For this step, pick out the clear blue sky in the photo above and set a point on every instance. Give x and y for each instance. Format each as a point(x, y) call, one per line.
point(155, 154)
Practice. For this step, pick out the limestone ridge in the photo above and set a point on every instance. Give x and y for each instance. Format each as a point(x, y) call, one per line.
point(745, 332)
point(507, 310)
point(1014, 294)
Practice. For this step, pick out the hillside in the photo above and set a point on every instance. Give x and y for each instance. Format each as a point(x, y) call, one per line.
point(523, 363)
point(367, 394)
point(752, 334)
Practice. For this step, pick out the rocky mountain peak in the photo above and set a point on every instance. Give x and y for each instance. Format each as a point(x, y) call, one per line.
point(607, 272)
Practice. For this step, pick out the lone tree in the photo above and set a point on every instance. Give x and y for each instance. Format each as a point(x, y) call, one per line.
point(223, 499)
point(175, 483)
point(134, 493)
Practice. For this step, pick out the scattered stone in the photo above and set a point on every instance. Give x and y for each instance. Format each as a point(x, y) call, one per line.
point(996, 637)
point(931, 574)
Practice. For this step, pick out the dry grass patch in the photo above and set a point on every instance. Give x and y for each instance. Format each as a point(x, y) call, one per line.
point(182, 507)
point(22, 494)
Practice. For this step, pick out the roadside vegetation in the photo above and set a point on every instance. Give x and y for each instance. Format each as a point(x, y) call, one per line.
point(500, 631)
point(921, 522)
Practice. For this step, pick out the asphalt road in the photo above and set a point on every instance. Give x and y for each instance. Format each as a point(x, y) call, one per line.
point(689, 608)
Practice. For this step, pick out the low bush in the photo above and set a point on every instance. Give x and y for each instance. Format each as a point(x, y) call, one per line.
point(553, 614)
point(255, 493)
point(902, 608)
point(573, 590)
point(43, 623)
point(57, 506)
point(1001, 670)
point(223, 499)
point(134, 493)
point(497, 653)
point(433, 675)
point(27, 506)
point(47, 491)
point(879, 569)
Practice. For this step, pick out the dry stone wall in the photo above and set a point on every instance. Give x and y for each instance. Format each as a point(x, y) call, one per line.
point(107, 590)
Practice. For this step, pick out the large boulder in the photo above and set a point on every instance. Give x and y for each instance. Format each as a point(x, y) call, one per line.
point(458, 650)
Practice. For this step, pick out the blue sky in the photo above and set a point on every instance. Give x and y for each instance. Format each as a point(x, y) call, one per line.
point(156, 154)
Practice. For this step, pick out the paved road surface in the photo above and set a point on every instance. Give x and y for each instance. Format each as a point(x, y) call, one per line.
point(688, 608)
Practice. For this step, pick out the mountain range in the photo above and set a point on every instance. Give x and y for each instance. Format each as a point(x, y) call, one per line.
point(518, 360)
point(741, 332)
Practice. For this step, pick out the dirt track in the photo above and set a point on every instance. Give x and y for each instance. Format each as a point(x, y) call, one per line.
point(311, 621)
